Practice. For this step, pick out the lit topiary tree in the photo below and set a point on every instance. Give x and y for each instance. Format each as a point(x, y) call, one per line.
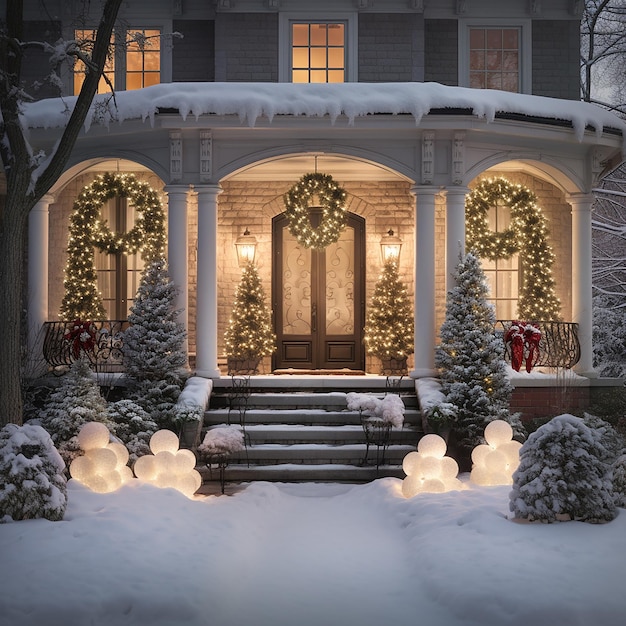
point(249, 334)
point(470, 358)
point(562, 474)
point(389, 323)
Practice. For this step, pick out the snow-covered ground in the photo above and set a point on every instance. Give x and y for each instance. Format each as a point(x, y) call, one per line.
point(308, 555)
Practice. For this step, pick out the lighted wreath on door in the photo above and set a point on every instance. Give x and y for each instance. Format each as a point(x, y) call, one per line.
point(527, 234)
point(88, 231)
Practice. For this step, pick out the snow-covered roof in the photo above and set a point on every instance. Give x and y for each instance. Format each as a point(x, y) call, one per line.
point(253, 101)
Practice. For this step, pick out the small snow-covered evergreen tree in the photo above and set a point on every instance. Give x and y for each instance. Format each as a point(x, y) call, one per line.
point(389, 324)
point(249, 334)
point(609, 336)
point(153, 344)
point(133, 426)
point(561, 473)
point(470, 358)
point(32, 484)
point(76, 402)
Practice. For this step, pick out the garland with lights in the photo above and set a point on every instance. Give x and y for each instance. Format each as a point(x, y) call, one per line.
point(527, 234)
point(332, 200)
point(82, 299)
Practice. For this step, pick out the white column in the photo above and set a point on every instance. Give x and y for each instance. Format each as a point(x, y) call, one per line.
point(38, 235)
point(425, 331)
point(206, 311)
point(455, 230)
point(178, 249)
point(582, 312)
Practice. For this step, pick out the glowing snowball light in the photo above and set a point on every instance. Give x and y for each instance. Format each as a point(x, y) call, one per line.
point(103, 466)
point(428, 470)
point(495, 461)
point(169, 467)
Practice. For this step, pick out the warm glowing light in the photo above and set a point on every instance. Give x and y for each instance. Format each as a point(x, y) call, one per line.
point(428, 470)
point(169, 467)
point(103, 466)
point(390, 247)
point(246, 248)
point(495, 461)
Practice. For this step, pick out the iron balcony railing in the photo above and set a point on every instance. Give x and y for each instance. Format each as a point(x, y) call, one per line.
point(558, 346)
point(105, 353)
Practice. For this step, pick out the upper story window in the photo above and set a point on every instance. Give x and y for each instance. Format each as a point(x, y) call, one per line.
point(494, 58)
point(136, 62)
point(318, 52)
point(319, 48)
point(495, 55)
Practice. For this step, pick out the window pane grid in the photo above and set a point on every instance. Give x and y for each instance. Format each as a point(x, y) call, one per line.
point(85, 39)
point(317, 53)
point(143, 58)
point(494, 58)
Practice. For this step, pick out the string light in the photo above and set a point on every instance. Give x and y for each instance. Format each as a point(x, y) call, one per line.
point(87, 231)
point(528, 235)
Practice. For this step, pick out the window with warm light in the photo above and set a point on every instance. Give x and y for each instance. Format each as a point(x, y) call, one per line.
point(318, 52)
point(494, 58)
point(503, 275)
point(138, 66)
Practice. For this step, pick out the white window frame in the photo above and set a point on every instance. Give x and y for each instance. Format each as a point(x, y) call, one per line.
point(286, 19)
point(525, 28)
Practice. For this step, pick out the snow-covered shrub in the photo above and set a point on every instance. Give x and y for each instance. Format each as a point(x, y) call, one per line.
point(610, 439)
point(441, 416)
point(390, 408)
point(609, 336)
point(76, 402)
point(562, 475)
point(619, 481)
point(133, 426)
point(221, 441)
point(157, 398)
point(32, 484)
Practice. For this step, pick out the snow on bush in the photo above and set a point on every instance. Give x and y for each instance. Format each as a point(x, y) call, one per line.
point(619, 481)
point(133, 426)
point(390, 408)
point(561, 475)
point(609, 337)
point(76, 402)
point(610, 439)
point(32, 483)
point(222, 440)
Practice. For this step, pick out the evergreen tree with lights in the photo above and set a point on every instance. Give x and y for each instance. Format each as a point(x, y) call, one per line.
point(389, 323)
point(470, 358)
point(249, 334)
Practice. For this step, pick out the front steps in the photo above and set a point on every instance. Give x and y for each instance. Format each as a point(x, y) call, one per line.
point(304, 431)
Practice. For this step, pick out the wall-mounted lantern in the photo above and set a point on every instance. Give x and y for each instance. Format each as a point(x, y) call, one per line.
point(246, 248)
point(390, 246)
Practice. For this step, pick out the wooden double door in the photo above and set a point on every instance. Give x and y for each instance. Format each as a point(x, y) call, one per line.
point(318, 298)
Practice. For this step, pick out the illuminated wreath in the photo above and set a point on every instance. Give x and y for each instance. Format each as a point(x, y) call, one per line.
point(332, 200)
point(488, 193)
point(87, 230)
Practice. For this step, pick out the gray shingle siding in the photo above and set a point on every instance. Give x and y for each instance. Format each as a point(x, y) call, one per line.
point(391, 47)
point(246, 47)
point(193, 55)
point(556, 46)
point(441, 52)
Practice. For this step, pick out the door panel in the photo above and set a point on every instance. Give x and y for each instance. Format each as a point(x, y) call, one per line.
point(318, 299)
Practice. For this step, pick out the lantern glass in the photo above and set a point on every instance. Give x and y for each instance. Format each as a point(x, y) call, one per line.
point(246, 248)
point(390, 246)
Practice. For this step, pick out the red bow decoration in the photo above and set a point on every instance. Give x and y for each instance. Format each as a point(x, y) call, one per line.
point(523, 338)
point(81, 336)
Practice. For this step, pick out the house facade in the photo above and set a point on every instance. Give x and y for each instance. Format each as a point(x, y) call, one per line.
point(397, 114)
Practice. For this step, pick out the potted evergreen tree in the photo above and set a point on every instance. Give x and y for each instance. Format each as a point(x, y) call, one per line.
point(389, 323)
point(249, 336)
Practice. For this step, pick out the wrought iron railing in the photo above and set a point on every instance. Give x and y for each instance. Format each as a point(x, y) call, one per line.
point(106, 354)
point(558, 346)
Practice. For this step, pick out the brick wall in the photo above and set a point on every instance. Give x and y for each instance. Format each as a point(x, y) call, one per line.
point(556, 50)
point(246, 47)
point(534, 402)
point(193, 55)
point(441, 52)
point(391, 47)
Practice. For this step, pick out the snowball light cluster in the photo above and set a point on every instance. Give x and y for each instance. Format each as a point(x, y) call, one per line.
point(103, 466)
point(428, 470)
point(168, 466)
point(495, 461)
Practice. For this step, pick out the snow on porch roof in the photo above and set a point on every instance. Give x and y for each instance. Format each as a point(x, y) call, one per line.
point(252, 101)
